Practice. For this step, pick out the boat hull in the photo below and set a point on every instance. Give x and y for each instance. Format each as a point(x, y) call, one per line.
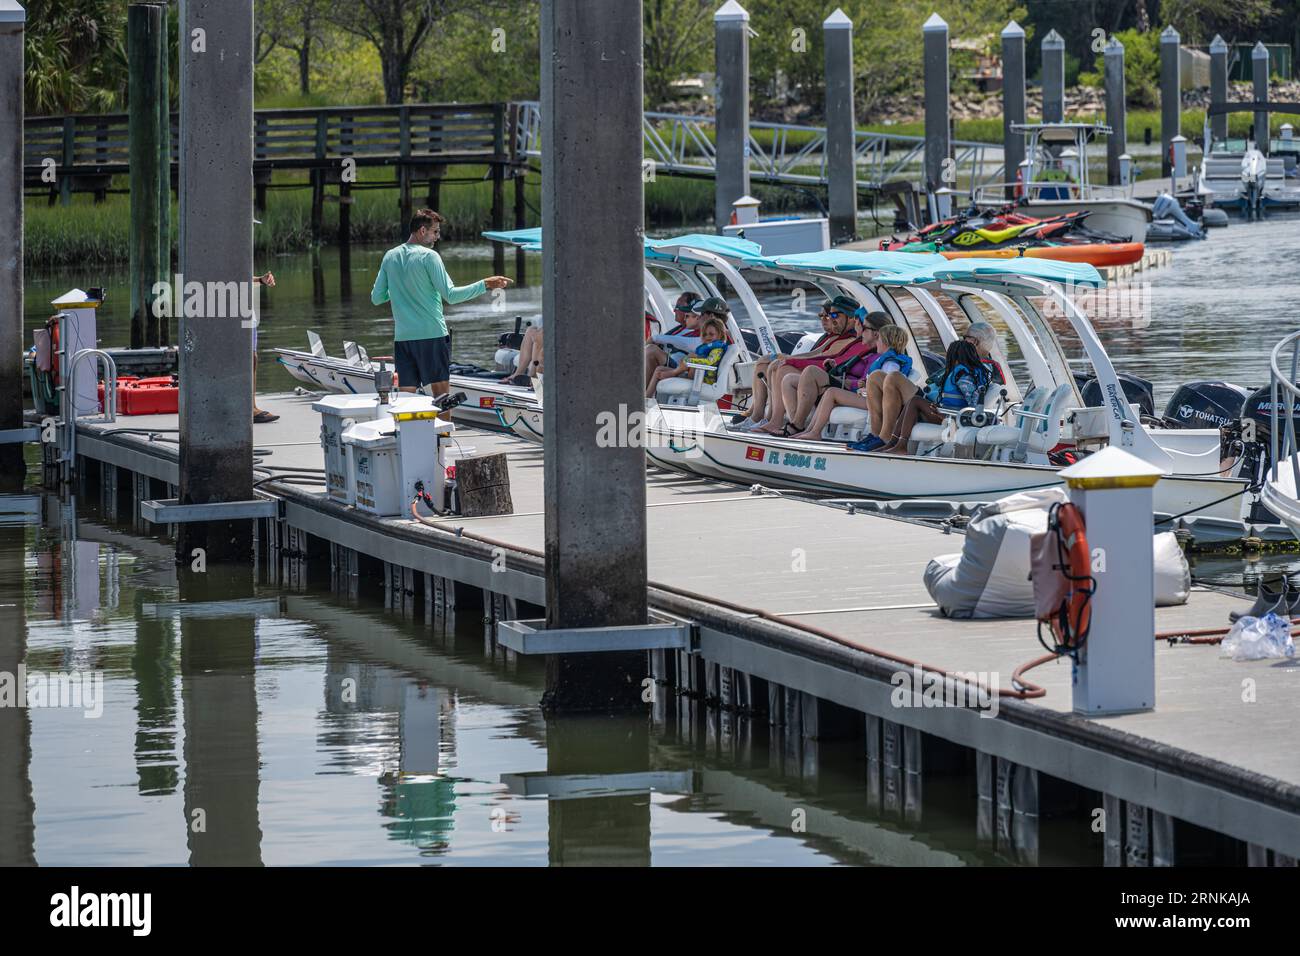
point(1125, 219)
point(823, 468)
point(1093, 253)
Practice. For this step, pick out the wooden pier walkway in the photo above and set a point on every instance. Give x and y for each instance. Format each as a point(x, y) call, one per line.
point(820, 605)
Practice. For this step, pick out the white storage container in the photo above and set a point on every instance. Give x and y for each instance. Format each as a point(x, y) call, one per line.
point(337, 414)
point(387, 457)
point(374, 469)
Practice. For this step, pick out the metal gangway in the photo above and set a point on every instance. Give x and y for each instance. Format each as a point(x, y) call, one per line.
point(683, 145)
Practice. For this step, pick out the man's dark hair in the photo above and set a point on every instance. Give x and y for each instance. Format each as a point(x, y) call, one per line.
point(690, 297)
point(423, 218)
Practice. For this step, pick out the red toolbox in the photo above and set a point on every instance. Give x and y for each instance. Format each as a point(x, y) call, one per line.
point(145, 396)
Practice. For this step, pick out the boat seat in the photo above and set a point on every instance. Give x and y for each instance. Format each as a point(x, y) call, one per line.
point(1036, 427)
point(315, 344)
point(363, 356)
point(847, 424)
point(691, 389)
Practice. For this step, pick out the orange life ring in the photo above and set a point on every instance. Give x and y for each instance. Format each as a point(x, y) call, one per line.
point(1071, 625)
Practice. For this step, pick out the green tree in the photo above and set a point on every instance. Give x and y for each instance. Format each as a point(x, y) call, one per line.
point(1197, 21)
point(678, 41)
point(75, 56)
point(398, 30)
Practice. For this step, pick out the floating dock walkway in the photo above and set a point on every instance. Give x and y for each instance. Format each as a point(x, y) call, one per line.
point(803, 617)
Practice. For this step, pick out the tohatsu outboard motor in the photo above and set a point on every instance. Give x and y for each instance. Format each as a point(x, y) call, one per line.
point(1137, 391)
point(1205, 405)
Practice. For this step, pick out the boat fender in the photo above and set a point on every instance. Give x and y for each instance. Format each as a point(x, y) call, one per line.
point(1061, 572)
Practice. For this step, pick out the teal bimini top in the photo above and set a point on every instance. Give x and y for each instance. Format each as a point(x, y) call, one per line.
point(530, 240)
point(416, 282)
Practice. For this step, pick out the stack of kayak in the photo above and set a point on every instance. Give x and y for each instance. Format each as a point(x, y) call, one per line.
point(1005, 233)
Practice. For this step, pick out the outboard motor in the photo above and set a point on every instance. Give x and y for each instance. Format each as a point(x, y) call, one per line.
point(1137, 391)
point(507, 354)
point(1170, 222)
point(1260, 417)
point(1205, 405)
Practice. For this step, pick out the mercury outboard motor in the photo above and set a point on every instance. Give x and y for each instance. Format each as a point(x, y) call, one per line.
point(1253, 433)
point(1205, 405)
point(1137, 391)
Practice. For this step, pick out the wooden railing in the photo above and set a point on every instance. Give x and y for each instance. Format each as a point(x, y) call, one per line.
point(295, 138)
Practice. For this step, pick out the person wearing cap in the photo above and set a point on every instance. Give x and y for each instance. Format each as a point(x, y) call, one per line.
point(667, 348)
point(711, 348)
point(850, 365)
point(888, 349)
point(889, 392)
point(836, 335)
point(784, 387)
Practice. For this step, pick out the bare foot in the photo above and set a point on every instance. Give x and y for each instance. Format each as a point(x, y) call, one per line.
point(807, 436)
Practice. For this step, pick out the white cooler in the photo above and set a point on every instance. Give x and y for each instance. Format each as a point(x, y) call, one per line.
point(337, 414)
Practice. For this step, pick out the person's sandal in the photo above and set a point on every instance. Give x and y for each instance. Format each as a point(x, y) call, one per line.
point(263, 417)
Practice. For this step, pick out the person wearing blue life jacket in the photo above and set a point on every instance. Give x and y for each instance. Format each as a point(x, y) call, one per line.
point(666, 348)
point(961, 383)
point(888, 392)
point(712, 347)
point(890, 355)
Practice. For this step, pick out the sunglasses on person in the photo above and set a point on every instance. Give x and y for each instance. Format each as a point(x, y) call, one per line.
point(831, 314)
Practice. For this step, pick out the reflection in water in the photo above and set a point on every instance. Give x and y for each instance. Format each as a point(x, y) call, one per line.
point(220, 699)
point(587, 830)
point(155, 682)
point(17, 809)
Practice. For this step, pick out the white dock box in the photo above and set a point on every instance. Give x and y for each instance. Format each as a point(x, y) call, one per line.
point(784, 237)
point(388, 456)
point(337, 414)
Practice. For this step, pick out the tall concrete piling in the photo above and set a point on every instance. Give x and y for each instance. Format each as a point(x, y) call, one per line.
point(1116, 109)
point(216, 257)
point(938, 145)
point(1259, 80)
point(841, 127)
point(1218, 87)
point(144, 30)
point(1053, 78)
point(1013, 101)
point(731, 109)
point(12, 28)
point(592, 270)
point(1170, 96)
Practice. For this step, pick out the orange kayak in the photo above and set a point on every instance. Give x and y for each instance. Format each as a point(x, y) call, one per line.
point(1093, 253)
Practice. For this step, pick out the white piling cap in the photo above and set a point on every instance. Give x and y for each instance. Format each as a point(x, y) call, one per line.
point(1111, 468)
point(1259, 51)
point(73, 297)
point(839, 20)
point(935, 24)
point(731, 10)
point(1180, 138)
point(1053, 40)
point(1113, 45)
point(1013, 30)
point(1169, 35)
point(12, 12)
point(1218, 45)
point(746, 200)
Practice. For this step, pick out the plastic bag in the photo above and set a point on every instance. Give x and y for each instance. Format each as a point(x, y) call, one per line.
point(1256, 638)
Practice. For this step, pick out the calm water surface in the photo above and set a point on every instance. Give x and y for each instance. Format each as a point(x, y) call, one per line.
point(304, 728)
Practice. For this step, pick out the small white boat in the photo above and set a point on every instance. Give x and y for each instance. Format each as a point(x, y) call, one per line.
point(1056, 180)
point(354, 373)
point(1236, 175)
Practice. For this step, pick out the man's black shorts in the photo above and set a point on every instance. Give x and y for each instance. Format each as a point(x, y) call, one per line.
point(422, 361)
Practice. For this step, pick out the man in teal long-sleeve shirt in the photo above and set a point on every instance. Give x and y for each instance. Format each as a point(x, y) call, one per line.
point(413, 279)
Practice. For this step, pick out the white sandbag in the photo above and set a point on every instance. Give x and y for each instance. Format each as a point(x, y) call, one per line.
point(990, 578)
